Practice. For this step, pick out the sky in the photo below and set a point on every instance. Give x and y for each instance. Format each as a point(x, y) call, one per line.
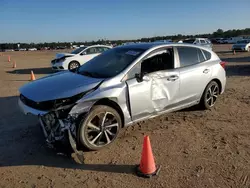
point(86, 20)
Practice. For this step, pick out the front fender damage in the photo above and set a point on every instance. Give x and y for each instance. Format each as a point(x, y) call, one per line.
point(81, 108)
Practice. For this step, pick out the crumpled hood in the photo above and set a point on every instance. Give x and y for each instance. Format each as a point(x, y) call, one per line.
point(57, 86)
point(59, 55)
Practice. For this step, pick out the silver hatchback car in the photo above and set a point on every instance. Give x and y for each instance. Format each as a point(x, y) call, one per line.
point(89, 105)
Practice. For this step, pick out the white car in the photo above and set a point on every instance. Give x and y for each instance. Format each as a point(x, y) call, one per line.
point(199, 41)
point(79, 56)
point(233, 40)
point(242, 45)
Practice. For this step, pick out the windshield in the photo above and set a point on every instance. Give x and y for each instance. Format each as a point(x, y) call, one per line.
point(242, 42)
point(78, 50)
point(191, 41)
point(110, 63)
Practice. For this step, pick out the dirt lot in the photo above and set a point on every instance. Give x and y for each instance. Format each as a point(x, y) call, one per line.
point(195, 148)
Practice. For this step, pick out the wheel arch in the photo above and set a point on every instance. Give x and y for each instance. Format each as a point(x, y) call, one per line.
point(111, 103)
point(218, 82)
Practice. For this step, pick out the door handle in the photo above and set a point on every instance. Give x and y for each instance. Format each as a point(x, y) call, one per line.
point(206, 71)
point(172, 78)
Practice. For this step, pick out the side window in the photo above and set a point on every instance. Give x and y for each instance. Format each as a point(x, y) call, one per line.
point(203, 41)
point(207, 54)
point(105, 48)
point(158, 60)
point(91, 50)
point(189, 56)
point(99, 50)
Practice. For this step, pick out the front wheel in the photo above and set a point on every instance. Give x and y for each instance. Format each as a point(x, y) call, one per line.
point(99, 127)
point(210, 95)
point(73, 65)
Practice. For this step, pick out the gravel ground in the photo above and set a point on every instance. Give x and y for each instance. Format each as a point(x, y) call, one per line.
point(194, 148)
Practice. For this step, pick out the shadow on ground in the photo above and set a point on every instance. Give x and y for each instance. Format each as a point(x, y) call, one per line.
point(237, 66)
point(22, 143)
point(238, 70)
point(46, 70)
point(224, 52)
point(237, 59)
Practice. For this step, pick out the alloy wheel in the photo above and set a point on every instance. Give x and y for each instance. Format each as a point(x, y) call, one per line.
point(212, 94)
point(73, 65)
point(102, 129)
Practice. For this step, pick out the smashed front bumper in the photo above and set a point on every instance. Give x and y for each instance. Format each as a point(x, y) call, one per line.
point(59, 66)
point(49, 122)
point(28, 110)
point(54, 129)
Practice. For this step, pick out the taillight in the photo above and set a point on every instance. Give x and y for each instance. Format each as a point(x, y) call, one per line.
point(223, 64)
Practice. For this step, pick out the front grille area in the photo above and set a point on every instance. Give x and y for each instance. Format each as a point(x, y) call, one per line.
point(47, 105)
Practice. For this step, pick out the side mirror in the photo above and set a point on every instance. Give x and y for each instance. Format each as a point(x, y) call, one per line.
point(138, 77)
point(141, 77)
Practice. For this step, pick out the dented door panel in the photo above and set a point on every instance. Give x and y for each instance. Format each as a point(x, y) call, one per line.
point(153, 94)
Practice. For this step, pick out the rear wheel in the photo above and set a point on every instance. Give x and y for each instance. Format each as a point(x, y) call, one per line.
point(73, 65)
point(99, 128)
point(210, 95)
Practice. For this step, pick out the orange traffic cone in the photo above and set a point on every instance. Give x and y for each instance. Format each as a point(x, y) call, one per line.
point(14, 64)
point(32, 76)
point(147, 167)
point(9, 58)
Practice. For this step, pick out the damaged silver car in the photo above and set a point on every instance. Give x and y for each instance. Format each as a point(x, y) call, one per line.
point(88, 106)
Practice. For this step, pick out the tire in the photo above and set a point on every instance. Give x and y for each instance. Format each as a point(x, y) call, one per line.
point(93, 134)
point(209, 99)
point(73, 65)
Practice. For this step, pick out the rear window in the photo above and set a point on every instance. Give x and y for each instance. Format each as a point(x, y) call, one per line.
point(207, 54)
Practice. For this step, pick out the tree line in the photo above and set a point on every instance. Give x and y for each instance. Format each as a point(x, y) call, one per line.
point(60, 45)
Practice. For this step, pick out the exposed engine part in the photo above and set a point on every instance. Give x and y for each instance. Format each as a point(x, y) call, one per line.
point(57, 129)
point(54, 128)
point(51, 127)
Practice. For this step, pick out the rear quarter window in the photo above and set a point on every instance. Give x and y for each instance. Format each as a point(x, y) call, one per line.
point(190, 56)
point(207, 54)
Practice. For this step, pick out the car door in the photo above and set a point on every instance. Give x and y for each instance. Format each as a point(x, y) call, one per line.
point(158, 88)
point(194, 74)
point(88, 54)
